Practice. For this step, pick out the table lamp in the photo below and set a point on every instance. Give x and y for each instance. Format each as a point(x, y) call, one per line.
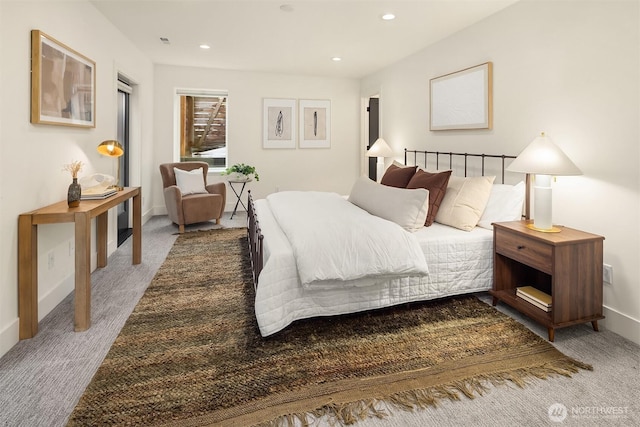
point(380, 149)
point(112, 148)
point(544, 159)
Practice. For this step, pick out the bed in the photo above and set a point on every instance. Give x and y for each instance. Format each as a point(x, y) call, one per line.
point(459, 260)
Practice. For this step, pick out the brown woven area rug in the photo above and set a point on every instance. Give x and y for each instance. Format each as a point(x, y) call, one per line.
point(191, 354)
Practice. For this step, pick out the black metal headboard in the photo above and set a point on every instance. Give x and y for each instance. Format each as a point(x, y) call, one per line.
point(447, 161)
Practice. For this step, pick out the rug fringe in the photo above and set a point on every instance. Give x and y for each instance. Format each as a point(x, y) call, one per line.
point(410, 400)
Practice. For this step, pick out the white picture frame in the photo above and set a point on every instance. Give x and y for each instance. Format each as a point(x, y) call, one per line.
point(315, 123)
point(462, 99)
point(279, 123)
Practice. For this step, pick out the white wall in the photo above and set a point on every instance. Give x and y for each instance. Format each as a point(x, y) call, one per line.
point(32, 156)
point(570, 69)
point(333, 169)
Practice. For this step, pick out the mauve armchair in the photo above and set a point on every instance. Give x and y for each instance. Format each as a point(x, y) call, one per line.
point(192, 208)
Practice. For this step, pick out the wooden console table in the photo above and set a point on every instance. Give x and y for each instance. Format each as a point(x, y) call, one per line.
point(81, 216)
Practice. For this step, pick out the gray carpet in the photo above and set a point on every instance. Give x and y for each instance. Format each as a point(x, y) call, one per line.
point(42, 379)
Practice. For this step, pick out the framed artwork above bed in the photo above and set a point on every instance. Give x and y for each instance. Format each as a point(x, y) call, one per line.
point(462, 99)
point(315, 123)
point(279, 120)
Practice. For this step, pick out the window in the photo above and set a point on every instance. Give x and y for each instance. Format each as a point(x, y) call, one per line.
point(203, 127)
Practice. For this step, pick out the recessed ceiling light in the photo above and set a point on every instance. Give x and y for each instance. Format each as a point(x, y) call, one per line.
point(205, 46)
point(336, 59)
point(388, 17)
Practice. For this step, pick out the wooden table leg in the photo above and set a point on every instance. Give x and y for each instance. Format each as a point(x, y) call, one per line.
point(82, 301)
point(102, 231)
point(551, 334)
point(137, 228)
point(594, 323)
point(27, 277)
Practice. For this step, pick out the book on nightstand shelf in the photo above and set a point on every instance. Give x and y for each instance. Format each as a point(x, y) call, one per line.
point(535, 296)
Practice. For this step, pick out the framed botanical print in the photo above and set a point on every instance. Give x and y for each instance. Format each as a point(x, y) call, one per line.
point(315, 123)
point(279, 120)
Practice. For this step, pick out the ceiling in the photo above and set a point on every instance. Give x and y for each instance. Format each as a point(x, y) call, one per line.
point(291, 36)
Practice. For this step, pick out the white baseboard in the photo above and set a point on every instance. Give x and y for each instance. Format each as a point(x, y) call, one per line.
point(9, 336)
point(159, 210)
point(621, 324)
point(146, 216)
point(49, 301)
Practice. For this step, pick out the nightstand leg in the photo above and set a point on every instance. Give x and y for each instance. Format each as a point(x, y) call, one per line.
point(494, 301)
point(551, 334)
point(594, 323)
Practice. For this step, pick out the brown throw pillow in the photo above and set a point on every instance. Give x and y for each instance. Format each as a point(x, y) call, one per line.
point(398, 177)
point(436, 183)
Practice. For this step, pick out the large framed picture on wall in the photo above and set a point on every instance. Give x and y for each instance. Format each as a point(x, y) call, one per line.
point(63, 84)
point(462, 99)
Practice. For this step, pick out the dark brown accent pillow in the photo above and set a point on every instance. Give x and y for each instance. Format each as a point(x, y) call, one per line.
point(396, 176)
point(436, 183)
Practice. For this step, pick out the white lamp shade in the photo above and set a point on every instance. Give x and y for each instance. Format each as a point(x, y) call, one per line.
point(543, 157)
point(380, 148)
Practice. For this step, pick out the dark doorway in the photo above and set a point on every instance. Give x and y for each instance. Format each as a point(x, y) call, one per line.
point(124, 92)
point(374, 113)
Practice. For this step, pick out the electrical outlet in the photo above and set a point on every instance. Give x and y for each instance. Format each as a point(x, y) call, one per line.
point(51, 260)
point(607, 274)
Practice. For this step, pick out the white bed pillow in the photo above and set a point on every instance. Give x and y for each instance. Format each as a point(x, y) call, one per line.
point(505, 204)
point(464, 201)
point(407, 208)
point(190, 182)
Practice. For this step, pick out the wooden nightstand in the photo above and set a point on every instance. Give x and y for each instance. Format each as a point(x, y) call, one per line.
point(566, 265)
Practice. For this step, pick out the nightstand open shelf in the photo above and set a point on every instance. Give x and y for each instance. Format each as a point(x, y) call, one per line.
point(508, 296)
point(565, 265)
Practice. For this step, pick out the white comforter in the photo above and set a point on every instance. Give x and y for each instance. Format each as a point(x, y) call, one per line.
point(459, 262)
point(360, 249)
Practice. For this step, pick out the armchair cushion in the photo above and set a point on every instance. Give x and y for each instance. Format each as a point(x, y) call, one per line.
point(201, 207)
point(190, 182)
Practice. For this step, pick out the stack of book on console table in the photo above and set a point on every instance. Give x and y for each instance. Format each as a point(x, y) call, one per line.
point(97, 193)
point(535, 297)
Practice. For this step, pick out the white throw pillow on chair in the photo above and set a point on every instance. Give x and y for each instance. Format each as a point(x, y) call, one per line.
point(190, 182)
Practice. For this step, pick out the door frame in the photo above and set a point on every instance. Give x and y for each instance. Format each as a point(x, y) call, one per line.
point(364, 129)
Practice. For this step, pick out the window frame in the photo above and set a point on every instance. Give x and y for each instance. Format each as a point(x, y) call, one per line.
point(202, 93)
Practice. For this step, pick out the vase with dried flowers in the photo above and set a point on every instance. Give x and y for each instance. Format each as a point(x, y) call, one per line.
point(75, 191)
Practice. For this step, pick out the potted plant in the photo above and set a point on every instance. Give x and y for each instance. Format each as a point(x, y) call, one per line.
point(241, 172)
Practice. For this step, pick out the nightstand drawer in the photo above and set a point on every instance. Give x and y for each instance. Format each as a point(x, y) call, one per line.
point(527, 251)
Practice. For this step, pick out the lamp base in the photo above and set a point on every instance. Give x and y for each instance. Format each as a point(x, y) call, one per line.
point(379, 169)
point(542, 206)
point(553, 229)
